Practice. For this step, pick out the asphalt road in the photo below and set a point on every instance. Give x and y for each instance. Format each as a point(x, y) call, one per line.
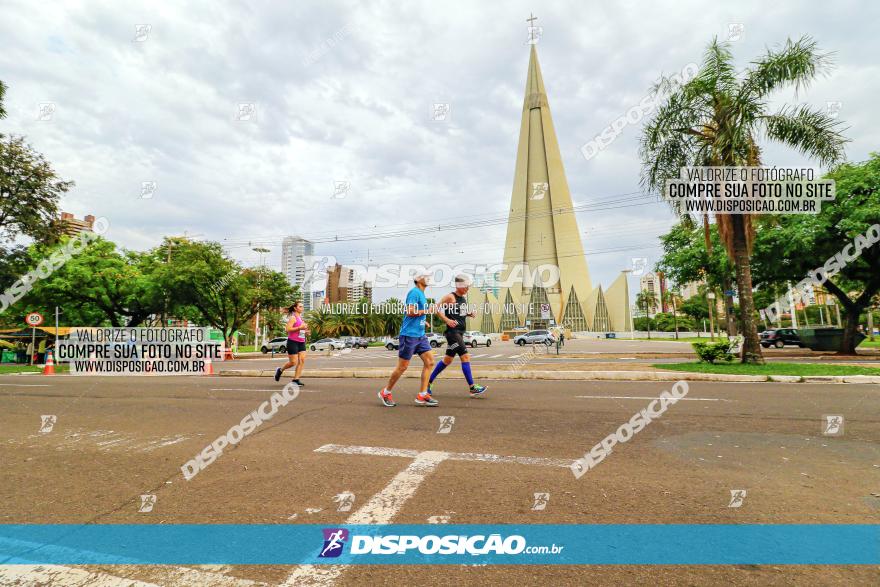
point(117, 438)
point(506, 353)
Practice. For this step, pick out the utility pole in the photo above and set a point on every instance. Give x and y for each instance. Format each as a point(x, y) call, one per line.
point(674, 314)
point(791, 305)
point(710, 299)
point(261, 251)
point(171, 241)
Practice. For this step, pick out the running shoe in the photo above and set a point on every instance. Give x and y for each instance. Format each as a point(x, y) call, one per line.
point(478, 390)
point(425, 399)
point(278, 374)
point(298, 382)
point(386, 398)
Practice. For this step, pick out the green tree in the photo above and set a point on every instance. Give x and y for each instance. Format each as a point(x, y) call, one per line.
point(209, 288)
point(98, 286)
point(789, 248)
point(29, 192)
point(697, 307)
point(2, 97)
point(716, 119)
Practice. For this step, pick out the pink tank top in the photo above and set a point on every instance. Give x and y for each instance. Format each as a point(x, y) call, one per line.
point(297, 336)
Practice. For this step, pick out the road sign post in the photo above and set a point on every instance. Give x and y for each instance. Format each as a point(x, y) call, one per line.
point(33, 320)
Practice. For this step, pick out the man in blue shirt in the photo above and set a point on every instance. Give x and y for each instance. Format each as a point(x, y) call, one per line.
point(413, 342)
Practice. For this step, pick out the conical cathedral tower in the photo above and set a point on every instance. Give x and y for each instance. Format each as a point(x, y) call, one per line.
point(545, 267)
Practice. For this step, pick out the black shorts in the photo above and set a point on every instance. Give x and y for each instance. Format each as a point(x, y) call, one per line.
point(294, 347)
point(455, 343)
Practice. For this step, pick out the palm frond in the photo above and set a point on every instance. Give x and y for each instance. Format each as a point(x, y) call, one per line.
point(796, 64)
point(812, 132)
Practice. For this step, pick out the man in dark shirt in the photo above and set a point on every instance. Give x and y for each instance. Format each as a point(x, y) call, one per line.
point(454, 311)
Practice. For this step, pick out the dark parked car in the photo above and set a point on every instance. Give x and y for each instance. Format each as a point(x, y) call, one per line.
point(354, 342)
point(779, 337)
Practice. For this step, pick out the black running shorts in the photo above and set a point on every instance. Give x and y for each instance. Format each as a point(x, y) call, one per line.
point(294, 347)
point(455, 343)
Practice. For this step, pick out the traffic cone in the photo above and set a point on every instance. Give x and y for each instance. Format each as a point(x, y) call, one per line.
point(209, 367)
point(49, 367)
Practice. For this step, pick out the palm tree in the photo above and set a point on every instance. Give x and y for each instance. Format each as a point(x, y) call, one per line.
point(318, 320)
point(645, 300)
point(343, 324)
point(671, 297)
point(716, 119)
point(391, 321)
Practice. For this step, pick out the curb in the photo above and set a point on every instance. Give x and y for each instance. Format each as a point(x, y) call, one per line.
point(575, 375)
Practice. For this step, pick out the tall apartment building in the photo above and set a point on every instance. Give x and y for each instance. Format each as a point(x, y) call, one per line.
point(72, 226)
point(654, 284)
point(345, 285)
point(294, 249)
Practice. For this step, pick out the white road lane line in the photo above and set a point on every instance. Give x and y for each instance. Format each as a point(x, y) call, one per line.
point(689, 399)
point(254, 389)
point(496, 356)
point(24, 385)
point(61, 576)
point(382, 507)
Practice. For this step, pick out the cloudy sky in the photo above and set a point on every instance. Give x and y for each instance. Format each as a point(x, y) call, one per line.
point(343, 91)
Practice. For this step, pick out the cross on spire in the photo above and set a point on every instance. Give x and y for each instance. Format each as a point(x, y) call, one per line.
point(531, 19)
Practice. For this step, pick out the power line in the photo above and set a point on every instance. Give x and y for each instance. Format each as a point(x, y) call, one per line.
point(443, 228)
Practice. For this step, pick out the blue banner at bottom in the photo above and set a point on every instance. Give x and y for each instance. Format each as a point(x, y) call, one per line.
point(430, 544)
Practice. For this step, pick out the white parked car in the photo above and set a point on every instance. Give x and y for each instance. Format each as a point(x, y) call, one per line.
point(435, 339)
point(473, 338)
point(535, 337)
point(327, 344)
point(276, 345)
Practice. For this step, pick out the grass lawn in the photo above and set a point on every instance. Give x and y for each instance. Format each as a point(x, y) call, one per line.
point(867, 344)
point(771, 369)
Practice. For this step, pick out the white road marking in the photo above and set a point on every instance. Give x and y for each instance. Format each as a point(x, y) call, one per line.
point(477, 356)
point(253, 389)
point(382, 507)
point(61, 576)
point(382, 451)
point(690, 399)
point(496, 356)
point(77, 577)
point(24, 385)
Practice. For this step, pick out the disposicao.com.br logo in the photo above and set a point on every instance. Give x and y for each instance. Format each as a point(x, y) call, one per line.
point(453, 544)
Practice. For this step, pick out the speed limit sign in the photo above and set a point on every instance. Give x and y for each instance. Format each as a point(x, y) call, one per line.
point(34, 319)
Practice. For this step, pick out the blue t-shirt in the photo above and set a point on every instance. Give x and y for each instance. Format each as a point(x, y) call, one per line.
point(414, 325)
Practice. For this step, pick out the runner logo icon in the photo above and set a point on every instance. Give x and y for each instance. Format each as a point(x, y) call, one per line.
point(334, 540)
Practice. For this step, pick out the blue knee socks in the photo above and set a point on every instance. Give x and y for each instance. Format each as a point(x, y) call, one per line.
point(437, 369)
point(466, 368)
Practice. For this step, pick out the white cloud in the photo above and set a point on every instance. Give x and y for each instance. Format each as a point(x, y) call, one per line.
point(343, 91)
